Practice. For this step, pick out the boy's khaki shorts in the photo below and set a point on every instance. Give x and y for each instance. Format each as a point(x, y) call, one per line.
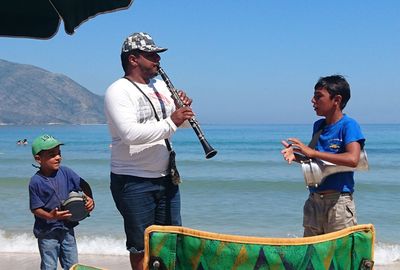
point(328, 213)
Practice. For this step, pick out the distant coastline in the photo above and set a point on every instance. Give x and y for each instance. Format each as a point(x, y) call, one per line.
point(39, 97)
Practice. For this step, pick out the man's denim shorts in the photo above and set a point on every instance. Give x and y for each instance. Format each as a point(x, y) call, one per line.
point(143, 202)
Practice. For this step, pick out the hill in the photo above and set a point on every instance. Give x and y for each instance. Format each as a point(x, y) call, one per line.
point(31, 95)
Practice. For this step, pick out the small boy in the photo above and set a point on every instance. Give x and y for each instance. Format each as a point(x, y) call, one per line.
point(330, 206)
point(47, 189)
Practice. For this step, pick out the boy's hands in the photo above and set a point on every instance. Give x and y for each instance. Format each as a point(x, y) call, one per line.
point(56, 214)
point(294, 145)
point(89, 205)
point(62, 214)
point(287, 152)
point(300, 147)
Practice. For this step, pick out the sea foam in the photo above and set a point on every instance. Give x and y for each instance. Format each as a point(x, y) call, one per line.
point(385, 254)
point(27, 243)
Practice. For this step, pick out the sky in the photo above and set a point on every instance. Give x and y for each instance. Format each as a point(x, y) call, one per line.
point(242, 61)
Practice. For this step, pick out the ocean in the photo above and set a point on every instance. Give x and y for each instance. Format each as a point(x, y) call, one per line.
point(246, 189)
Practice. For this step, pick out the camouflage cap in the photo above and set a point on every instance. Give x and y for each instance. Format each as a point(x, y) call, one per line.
point(44, 142)
point(141, 41)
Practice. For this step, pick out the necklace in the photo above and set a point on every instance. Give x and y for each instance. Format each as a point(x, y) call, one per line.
point(54, 185)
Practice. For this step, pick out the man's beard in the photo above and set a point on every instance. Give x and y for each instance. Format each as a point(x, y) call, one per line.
point(149, 72)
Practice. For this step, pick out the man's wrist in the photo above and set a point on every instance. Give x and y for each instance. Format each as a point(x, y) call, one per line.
point(171, 123)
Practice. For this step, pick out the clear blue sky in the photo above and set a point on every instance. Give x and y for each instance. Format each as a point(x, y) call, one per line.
point(242, 61)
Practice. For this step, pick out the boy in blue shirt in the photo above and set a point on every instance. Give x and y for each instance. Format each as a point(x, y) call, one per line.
point(48, 188)
point(330, 206)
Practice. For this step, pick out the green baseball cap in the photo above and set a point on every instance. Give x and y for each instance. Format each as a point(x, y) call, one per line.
point(44, 142)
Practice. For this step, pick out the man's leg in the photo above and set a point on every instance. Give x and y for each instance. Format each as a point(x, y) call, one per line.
point(168, 211)
point(136, 260)
point(134, 198)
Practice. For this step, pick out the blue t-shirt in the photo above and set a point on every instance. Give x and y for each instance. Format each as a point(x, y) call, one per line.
point(48, 193)
point(334, 139)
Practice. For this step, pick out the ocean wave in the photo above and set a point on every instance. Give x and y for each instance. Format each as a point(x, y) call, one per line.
point(23, 242)
point(105, 245)
point(385, 254)
point(27, 243)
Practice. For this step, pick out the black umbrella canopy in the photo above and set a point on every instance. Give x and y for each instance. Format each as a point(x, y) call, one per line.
point(41, 18)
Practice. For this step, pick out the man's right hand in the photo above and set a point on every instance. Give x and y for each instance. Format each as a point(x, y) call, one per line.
point(181, 115)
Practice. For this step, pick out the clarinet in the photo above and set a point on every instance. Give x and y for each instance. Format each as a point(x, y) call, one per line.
point(209, 151)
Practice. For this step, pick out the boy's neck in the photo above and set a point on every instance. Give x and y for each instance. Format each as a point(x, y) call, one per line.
point(47, 173)
point(333, 118)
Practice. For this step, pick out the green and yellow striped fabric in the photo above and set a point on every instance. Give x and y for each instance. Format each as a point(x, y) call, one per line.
point(84, 267)
point(180, 248)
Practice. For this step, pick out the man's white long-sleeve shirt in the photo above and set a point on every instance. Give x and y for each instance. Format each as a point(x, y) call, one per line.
point(138, 145)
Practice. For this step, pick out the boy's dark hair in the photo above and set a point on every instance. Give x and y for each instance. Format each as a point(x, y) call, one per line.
point(335, 85)
point(125, 58)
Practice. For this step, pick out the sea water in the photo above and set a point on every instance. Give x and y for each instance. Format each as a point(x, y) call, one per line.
point(246, 189)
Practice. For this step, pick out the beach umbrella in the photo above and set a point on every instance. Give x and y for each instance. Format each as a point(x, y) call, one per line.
point(42, 18)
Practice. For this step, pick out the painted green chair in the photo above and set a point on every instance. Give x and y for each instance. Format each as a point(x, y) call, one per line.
point(180, 248)
point(84, 267)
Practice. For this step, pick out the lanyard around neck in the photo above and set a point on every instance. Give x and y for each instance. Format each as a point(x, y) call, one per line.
point(154, 109)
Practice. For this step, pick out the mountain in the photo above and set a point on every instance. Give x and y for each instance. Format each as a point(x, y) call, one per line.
point(31, 95)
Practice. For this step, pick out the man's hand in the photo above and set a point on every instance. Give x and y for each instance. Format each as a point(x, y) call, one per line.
point(181, 115)
point(184, 98)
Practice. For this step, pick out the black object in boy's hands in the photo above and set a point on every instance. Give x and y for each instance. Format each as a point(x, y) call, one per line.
point(76, 206)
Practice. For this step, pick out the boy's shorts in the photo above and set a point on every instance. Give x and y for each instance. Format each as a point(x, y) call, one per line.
point(143, 202)
point(328, 213)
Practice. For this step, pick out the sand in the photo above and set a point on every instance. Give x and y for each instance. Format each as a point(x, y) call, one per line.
point(25, 261)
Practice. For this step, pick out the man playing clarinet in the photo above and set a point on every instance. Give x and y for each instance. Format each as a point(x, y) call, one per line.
point(142, 117)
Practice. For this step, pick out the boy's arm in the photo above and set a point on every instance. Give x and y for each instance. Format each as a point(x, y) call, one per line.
point(350, 158)
point(53, 214)
point(88, 193)
point(86, 188)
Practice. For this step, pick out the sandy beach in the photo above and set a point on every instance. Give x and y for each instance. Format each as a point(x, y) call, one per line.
point(28, 261)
